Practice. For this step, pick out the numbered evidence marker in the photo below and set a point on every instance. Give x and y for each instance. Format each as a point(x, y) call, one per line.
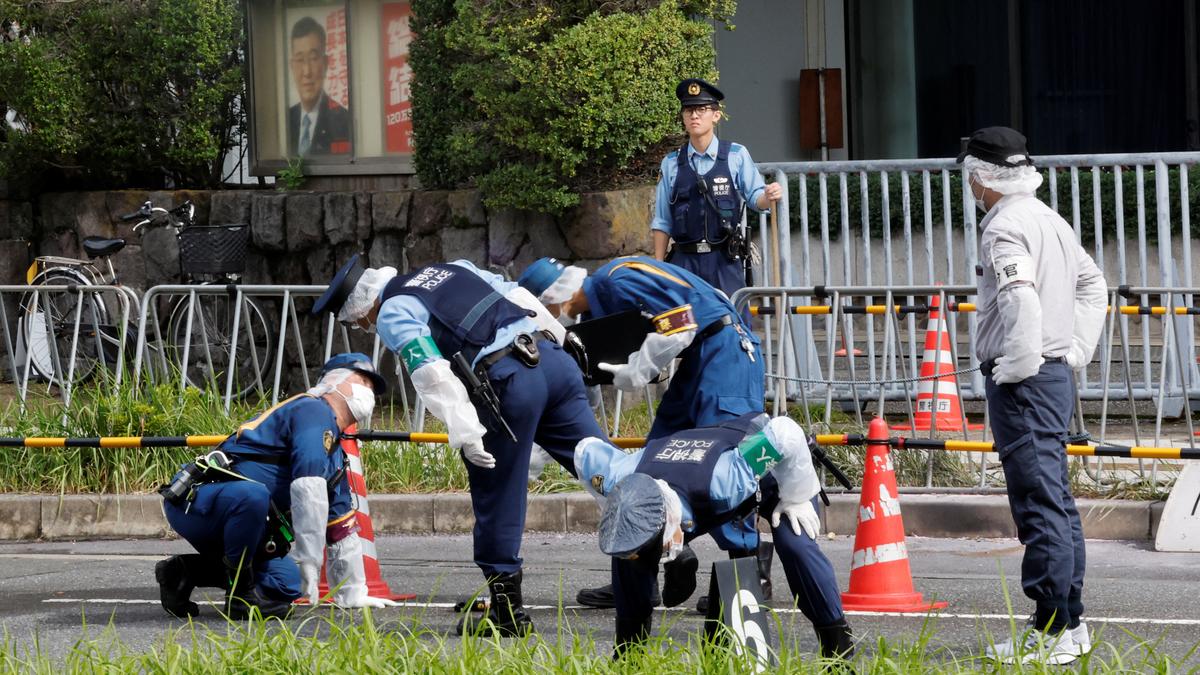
point(1179, 527)
point(740, 616)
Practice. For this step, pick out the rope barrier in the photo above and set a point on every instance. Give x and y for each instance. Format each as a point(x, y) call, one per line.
point(868, 383)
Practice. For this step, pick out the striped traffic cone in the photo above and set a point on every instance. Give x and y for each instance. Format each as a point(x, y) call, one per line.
point(937, 364)
point(880, 578)
point(376, 586)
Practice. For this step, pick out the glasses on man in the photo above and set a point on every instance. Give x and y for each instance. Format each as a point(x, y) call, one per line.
point(310, 59)
point(692, 110)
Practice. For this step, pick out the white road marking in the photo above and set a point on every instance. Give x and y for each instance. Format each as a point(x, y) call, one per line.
point(782, 610)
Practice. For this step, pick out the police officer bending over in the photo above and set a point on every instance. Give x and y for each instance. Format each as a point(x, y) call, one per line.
point(1042, 303)
point(720, 372)
point(523, 388)
point(691, 482)
point(280, 476)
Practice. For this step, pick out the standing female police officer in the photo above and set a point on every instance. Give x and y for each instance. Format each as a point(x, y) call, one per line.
point(720, 375)
point(285, 461)
point(691, 482)
point(457, 311)
point(1042, 303)
point(702, 190)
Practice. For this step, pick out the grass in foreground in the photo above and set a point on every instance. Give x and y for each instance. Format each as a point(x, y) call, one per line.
point(332, 644)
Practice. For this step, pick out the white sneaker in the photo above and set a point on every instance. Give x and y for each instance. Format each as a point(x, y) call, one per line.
point(1035, 646)
point(1083, 641)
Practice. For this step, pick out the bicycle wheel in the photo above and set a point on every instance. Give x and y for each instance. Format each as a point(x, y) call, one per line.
point(47, 328)
point(209, 339)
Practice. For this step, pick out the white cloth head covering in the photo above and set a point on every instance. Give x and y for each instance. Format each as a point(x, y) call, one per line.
point(564, 286)
point(368, 288)
point(1007, 180)
point(330, 380)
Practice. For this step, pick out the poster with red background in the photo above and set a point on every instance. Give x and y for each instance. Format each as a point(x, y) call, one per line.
point(397, 76)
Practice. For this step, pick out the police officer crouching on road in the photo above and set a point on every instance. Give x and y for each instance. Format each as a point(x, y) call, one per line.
point(1042, 304)
point(702, 193)
point(720, 373)
point(510, 384)
point(689, 483)
point(280, 477)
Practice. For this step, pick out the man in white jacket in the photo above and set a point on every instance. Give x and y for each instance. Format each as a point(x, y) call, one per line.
point(1042, 303)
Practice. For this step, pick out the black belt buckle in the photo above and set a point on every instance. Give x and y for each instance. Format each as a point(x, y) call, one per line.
point(526, 350)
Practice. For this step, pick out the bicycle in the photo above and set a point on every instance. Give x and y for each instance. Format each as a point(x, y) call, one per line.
point(198, 326)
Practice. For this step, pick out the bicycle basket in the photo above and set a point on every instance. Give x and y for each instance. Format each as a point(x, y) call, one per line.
point(213, 249)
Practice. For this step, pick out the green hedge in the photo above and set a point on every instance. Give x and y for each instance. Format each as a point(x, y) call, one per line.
point(535, 101)
point(917, 209)
point(114, 93)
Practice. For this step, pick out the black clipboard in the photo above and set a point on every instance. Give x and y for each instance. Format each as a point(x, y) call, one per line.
point(610, 339)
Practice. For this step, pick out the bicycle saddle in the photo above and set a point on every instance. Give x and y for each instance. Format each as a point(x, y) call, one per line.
point(95, 247)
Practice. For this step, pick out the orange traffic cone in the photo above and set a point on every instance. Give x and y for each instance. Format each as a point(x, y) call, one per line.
point(880, 579)
point(376, 586)
point(938, 365)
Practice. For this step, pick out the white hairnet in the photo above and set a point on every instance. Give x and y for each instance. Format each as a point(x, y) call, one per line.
point(564, 286)
point(368, 288)
point(330, 380)
point(1007, 180)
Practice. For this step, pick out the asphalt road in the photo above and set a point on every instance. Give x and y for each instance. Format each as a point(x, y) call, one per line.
point(58, 592)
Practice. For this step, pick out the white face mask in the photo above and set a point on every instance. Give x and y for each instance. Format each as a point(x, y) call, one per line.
point(361, 402)
point(979, 203)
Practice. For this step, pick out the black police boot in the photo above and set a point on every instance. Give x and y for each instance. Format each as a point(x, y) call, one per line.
point(506, 615)
point(603, 597)
point(679, 578)
point(702, 603)
point(176, 577)
point(630, 633)
point(243, 595)
point(766, 553)
point(836, 640)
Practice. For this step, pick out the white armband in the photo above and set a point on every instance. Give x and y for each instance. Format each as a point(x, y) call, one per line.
point(1012, 269)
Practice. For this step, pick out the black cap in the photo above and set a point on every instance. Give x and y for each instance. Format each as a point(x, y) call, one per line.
point(996, 145)
point(340, 287)
point(694, 91)
point(633, 519)
point(360, 363)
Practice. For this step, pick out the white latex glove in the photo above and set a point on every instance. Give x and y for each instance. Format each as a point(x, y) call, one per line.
point(1021, 312)
point(310, 583)
point(347, 577)
point(802, 516)
point(474, 453)
point(1091, 308)
point(445, 396)
point(538, 458)
point(310, 512)
point(656, 352)
point(521, 297)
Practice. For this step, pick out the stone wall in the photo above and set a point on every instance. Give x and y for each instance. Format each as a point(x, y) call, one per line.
point(301, 237)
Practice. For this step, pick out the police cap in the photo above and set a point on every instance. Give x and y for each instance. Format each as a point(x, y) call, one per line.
point(541, 275)
point(996, 145)
point(340, 287)
point(635, 514)
point(360, 363)
point(694, 91)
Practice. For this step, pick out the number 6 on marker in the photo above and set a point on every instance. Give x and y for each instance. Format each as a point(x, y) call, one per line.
point(749, 631)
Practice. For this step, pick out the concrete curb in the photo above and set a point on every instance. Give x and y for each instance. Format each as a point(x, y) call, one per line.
point(927, 515)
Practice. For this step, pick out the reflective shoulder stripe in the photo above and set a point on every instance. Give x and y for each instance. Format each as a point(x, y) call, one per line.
point(649, 269)
point(253, 424)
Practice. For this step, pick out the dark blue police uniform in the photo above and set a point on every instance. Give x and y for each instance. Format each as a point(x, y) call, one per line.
point(706, 496)
point(296, 438)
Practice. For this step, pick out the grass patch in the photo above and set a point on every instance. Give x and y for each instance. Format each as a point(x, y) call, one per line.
point(346, 643)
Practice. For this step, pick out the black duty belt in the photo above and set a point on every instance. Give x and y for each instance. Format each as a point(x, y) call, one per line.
point(699, 247)
point(986, 367)
point(489, 360)
point(275, 460)
point(714, 327)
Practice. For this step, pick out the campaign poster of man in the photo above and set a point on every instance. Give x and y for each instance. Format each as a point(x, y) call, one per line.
point(318, 94)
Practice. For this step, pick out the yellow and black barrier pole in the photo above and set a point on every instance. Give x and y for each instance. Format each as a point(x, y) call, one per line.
point(1119, 451)
point(965, 307)
point(203, 441)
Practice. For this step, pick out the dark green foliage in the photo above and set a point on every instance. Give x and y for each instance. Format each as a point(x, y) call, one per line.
point(120, 92)
point(535, 101)
point(1087, 219)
